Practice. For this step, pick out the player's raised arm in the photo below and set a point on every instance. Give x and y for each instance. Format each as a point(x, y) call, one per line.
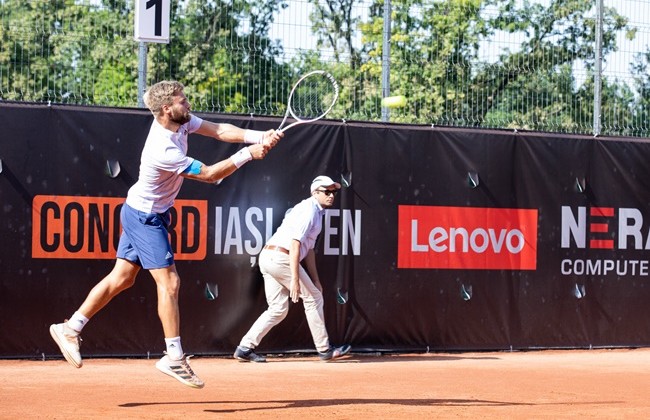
point(232, 134)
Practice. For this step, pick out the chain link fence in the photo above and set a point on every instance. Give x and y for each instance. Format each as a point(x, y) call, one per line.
point(514, 64)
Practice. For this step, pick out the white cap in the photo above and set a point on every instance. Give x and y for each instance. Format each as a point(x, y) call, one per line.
point(324, 181)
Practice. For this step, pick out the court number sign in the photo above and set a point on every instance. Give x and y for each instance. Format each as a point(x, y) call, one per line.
point(152, 20)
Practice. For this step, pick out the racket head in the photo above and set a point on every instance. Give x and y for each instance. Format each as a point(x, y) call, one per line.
point(313, 96)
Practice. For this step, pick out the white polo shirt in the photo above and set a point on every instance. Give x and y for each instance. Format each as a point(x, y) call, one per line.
point(164, 158)
point(304, 223)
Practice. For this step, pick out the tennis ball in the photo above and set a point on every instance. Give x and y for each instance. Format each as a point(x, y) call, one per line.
point(394, 101)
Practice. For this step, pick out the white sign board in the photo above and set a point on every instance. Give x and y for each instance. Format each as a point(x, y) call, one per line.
point(152, 20)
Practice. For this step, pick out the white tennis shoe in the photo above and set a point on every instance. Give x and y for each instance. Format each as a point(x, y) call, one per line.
point(68, 341)
point(180, 370)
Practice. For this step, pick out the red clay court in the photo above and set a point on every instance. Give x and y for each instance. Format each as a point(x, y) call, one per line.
point(602, 384)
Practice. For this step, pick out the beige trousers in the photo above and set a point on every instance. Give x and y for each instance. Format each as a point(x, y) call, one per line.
point(274, 266)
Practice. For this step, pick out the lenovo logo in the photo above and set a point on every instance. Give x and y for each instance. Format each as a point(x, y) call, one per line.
point(467, 238)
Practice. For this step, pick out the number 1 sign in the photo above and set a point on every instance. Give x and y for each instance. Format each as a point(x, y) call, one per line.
point(152, 20)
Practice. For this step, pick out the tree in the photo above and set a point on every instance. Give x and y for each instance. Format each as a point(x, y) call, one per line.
point(437, 62)
point(641, 110)
point(28, 69)
point(61, 51)
point(223, 53)
point(555, 38)
point(85, 54)
point(442, 58)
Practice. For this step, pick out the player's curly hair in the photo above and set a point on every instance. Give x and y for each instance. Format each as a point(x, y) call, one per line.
point(161, 94)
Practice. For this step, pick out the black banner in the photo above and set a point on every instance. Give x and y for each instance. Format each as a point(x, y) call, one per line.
point(442, 239)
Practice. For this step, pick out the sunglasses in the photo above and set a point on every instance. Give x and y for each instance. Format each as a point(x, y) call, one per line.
point(328, 192)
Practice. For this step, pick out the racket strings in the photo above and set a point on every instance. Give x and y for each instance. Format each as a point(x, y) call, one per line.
point(313, 97)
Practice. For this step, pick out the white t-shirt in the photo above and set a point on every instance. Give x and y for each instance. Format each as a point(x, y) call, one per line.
point(164, 158)
point(303, 223)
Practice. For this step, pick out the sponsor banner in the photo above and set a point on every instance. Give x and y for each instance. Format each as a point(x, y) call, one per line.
point(478, 269)
point(89, 227)
point(467, 238)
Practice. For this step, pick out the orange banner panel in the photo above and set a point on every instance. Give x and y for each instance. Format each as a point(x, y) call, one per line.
point(78, 227)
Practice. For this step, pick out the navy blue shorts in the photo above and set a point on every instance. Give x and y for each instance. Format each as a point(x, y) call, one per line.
point(145, 238)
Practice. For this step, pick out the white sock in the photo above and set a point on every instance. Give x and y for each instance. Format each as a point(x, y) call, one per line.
point(77, 321)
point(174, 348)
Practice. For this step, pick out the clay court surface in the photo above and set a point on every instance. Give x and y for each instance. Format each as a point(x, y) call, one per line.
point(607, 384)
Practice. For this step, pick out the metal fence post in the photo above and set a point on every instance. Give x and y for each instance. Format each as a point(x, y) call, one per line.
point(142, 72)
point(385, 61)
point(598, 51)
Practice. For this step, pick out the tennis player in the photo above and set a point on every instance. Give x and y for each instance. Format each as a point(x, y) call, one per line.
point(144, 242)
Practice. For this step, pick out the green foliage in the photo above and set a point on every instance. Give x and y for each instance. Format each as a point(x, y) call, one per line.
point(61, 51)
point(82, 52)
point(65, 51)
point(225, 68)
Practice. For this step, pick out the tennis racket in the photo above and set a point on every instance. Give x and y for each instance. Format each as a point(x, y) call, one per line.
point(311, 98)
